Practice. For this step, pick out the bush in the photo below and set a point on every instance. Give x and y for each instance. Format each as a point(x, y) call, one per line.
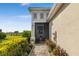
point(59, 52)
point(2, 35)
point(51, 44)
point(55, 50)
point(26, 34)
point(14, 46)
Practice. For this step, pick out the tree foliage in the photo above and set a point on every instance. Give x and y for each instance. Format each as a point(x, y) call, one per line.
point(2, 35)
point(0, 30)
point(16, 32)
point(26, 34)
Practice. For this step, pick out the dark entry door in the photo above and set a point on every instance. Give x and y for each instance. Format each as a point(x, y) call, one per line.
point(39, 32)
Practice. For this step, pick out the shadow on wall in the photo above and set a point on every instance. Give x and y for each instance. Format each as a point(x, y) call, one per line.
point(54, 49)
point(60, 10)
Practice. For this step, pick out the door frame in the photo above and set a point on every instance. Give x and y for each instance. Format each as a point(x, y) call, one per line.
point(44, 35)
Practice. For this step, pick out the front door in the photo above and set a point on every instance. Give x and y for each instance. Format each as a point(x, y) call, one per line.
point(39, 32)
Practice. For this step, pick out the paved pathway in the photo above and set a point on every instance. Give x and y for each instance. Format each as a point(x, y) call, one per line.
point(40, 50)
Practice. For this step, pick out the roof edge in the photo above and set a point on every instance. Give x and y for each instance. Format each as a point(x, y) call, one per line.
point(54, 10)
point(38, 8)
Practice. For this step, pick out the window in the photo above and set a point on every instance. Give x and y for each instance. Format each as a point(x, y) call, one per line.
point(41, 15)
point(40, 27)
point(47, 15)
point(35, 16)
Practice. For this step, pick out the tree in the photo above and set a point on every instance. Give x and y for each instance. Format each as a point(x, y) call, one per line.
point(0, 30)
point(16, 32)
point(2, 35)
point(26, 34)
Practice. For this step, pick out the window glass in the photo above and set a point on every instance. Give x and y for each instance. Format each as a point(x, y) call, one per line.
point(40, 27)
point(35, 16)
point(41, 15)
point(47, 15)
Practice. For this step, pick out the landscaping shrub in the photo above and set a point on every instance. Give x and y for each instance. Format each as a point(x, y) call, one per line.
point(59, 52)
point(51, 44)
point(55, 50)
point(26, 34)
point(14, 46)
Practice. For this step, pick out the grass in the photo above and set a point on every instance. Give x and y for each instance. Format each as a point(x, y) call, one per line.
point(14, 46)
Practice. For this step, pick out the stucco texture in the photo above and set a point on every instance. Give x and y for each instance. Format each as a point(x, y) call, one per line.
point(66, 24)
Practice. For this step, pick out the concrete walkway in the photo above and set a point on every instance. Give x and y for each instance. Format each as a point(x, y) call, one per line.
point(40, 50)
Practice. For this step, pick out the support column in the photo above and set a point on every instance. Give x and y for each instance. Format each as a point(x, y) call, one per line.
point(33, 32)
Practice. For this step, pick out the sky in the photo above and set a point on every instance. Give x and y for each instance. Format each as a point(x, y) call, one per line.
point(16, 16)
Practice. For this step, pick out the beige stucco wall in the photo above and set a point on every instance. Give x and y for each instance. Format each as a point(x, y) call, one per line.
point(66, 24)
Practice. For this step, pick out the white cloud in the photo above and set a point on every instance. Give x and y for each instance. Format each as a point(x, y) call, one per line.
point(24, 16)
point(24, 4)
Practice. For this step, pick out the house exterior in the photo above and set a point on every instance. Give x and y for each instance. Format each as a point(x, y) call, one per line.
point(40, 25)
point(63, 26)
point(65, 20)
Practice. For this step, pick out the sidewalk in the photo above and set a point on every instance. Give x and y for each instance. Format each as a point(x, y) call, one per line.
point(40, 50)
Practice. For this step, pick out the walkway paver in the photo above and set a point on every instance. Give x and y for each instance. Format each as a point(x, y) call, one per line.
point(40, 50)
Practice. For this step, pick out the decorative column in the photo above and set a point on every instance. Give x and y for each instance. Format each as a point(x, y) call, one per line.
point(33, 33)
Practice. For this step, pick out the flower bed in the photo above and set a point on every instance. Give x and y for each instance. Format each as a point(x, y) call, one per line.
point(55, 50)
point(14, 46)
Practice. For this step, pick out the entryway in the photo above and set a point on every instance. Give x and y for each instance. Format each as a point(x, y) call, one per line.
point(41, 32)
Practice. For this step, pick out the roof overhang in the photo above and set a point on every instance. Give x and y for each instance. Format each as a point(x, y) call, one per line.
point(38, 9)
point(54, 10)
